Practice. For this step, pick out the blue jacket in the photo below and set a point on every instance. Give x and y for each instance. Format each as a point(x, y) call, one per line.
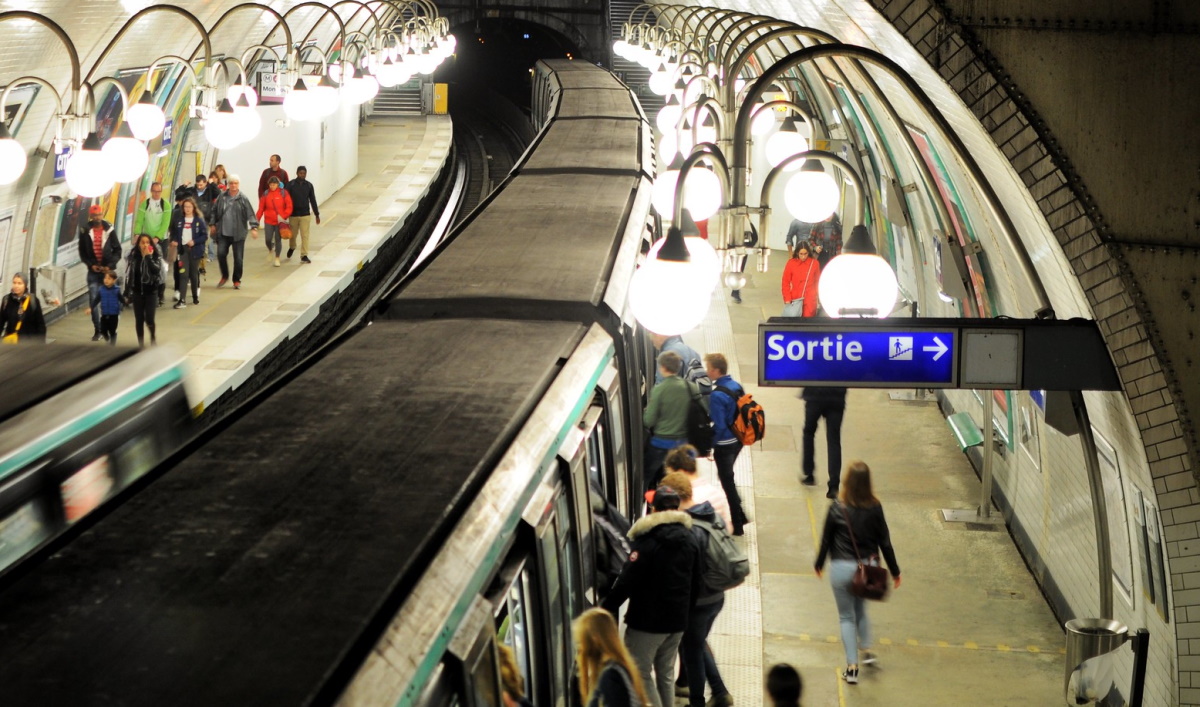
point(110, 300)
point(723, 409)
point(198, 234)
point(687, 353)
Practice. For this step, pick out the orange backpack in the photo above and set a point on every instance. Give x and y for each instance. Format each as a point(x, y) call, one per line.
point(750, 422)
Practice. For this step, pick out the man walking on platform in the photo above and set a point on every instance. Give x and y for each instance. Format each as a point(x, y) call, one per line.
point(273, 171)
point(304, 198)
point(100, 252)
point(233, 217)
point(830, 403)
point(665, 416)
point(722, 408)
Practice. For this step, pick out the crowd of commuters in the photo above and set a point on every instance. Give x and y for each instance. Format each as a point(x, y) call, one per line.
point(171, 247)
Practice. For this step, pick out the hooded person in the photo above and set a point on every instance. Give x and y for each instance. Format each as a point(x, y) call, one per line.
point(661, 581)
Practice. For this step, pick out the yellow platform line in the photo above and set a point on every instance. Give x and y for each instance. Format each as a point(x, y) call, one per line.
point(812, 522)
point(967, 645)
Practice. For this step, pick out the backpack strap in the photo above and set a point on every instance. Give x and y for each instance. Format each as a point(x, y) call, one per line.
point(729, 392)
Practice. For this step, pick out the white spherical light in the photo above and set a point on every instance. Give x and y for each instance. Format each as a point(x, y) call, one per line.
point(619, 47)
point(661, 80)
point(669, 298)
point(146, 119)
point(855, 285)
point(668, 117)
point(12, 157)
point(702, 193)
point(668, 147)
point(782, 145)
point(297, 102)
point(221, 130)
point(662, 195)
point(126, 157)
point(248, 122)
point(87, 170)
point(763, 121)
point(360, 88)
point(707, 263)
point(324, 99)
point(811, 196)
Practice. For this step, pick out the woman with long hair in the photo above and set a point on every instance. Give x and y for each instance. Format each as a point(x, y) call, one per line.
point(143, 275)
point(607, 675)
point(189, 233)
point(800, 277)
point(855, 528)
point(219, 177)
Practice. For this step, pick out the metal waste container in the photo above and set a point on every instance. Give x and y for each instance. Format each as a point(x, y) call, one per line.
point(1091, 668)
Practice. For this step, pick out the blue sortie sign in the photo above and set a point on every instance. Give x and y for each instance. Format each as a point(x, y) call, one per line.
point(855, 358)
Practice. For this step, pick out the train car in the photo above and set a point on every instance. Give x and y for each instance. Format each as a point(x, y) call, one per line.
point(78, 424)
point(372, 530)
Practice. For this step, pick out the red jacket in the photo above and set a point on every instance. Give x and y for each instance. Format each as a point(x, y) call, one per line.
point(273, 206)
point(800, 280)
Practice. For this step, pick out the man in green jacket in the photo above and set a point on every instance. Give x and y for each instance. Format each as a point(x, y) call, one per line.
point(665, 416)
point(154, 219)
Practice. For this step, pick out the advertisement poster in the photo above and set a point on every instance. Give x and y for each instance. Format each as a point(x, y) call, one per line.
point(17, 105)
point(6, 224)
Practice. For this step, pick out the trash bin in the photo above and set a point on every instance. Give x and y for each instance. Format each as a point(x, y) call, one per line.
point(1091, 670)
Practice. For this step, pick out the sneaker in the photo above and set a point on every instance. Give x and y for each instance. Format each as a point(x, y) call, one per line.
point(237, 285)
point(868, 658)
point(290, 251)
point(96, 336)
point(304, 259)
point(682, 690)
point(725, 700)
point(737, 298)
point(831, 494)
point(195, 300)
point(277, 262)
point(809, 481)
point(180, 305)
point(221, 283)
point(850, 675)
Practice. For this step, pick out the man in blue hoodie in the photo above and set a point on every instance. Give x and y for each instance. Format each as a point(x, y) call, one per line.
point(722, 408)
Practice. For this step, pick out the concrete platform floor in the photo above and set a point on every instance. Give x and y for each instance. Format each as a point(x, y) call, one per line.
point(968, 625)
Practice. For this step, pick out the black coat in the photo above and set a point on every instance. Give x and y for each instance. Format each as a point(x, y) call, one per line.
point(143, 275)
point(662, 578)
point(614, 689)
point(34, 326)
point(112, 247)
point(870, 533)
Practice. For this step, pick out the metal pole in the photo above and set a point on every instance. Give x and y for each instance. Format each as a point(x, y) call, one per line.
point(1099, 507)
point(1141, 651)
point(989, 435)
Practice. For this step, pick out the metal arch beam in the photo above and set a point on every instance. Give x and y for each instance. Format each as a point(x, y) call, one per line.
point(361, 6)
point(326, 12)
point(58, 31)
point(287, 31)
point(851, 52)
point(204, 35)
point(759, 42)
point(769, 182)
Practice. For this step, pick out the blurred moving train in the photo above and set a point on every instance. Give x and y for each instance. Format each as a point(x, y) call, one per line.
point(78, 424)
point(371, 531)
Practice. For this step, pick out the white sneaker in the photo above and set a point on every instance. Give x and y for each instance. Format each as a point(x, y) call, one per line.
point(868, 658)
point(277, 262)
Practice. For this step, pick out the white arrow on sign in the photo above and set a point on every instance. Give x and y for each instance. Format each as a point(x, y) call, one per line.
point(939, 349)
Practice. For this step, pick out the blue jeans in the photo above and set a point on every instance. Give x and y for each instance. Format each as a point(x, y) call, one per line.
point(657, 449)
point(852, 610)
point(94, 281)
point(697, 659)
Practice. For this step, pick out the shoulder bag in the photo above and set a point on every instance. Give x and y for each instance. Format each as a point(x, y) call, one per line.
point(15, 336)
point(870, 580)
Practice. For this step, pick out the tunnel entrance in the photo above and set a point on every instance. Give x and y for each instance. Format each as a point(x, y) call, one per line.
point(497, 55)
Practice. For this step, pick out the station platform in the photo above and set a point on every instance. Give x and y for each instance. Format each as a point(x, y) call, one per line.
point(230, 331)
point(968, 625)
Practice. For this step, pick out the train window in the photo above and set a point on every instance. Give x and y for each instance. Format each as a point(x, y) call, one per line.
point(22, 531)
point(559, 627)
point(439, 690)
point(514, 627)
point(567, 551)
point(86, 489)
point(136, 457)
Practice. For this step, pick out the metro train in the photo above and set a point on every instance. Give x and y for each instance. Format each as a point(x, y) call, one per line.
point(78, 424)
point(415, 496)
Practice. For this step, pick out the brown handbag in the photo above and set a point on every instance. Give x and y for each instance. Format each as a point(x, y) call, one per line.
point(870, 580)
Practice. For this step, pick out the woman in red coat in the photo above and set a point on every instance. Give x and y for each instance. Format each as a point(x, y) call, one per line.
point(800, 277)
point(273, 207)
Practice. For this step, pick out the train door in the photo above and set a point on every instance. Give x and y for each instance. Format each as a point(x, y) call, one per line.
point(519, 613)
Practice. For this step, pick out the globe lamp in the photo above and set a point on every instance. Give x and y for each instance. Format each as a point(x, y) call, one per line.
point(360, 87)
point(702, 193)
point(221, 127)
point(787, 141)
point(87, 170)
point(12, 157)
point(323, 101)
point(667, 293)
point(811, 195)
point(145, 118)
point(249, 122)
point(125, 155)
point(668, 147)
point(240, 90)
point(763, 121)
point(296, 104)
point(858, 283)
point(660, 80)
point(668, 116)
point(702, 254)
point(662, 194)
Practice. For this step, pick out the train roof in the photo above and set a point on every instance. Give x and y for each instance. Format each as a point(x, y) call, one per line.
point(30, 374)
point(257, 568)
point(544, 237)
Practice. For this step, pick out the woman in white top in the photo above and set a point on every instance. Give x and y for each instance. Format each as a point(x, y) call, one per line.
point(683, 459)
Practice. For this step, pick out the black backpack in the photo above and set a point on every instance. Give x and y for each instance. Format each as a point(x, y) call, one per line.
point(699, 424)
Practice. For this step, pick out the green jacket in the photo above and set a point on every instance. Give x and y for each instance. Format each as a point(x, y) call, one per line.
point(666, 414)
point(151, 223)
